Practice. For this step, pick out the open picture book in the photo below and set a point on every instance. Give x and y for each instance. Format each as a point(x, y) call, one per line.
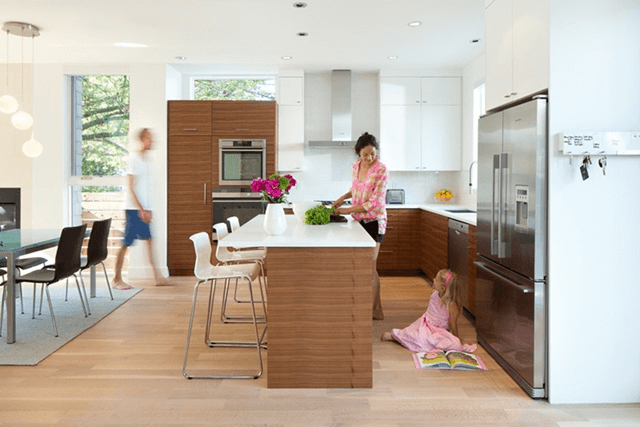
point(448, 360)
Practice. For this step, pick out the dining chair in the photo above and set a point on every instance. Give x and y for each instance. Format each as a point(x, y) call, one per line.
point(226, 257)
point(67, 263)
point(23, 264)
point(97, 252)
point(206, 272)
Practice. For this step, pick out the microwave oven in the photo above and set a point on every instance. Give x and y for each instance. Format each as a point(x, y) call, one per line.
point(241, 161)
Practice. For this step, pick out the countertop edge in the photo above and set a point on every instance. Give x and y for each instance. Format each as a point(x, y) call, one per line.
point(440, 209)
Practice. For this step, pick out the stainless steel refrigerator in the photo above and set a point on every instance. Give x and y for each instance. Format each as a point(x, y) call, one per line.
point(511, 312)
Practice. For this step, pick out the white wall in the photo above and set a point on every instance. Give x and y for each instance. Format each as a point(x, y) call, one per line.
point(16, 167)
point(593, 246)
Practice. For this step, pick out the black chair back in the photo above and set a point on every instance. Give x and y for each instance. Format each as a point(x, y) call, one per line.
point(69, 251)
point(97, 250)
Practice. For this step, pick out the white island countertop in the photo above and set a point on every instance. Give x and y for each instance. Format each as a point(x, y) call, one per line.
point(298, 234)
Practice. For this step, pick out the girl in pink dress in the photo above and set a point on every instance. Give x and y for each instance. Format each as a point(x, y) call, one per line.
point(367, 194)
point(437, 328)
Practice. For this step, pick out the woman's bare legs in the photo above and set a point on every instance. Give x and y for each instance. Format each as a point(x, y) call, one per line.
point(377, 303)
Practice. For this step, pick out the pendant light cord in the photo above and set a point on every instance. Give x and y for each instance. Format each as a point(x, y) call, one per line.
point(22, 93)
point(7, 61)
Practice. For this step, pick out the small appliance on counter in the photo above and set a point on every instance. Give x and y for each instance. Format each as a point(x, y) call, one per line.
point(395, 197)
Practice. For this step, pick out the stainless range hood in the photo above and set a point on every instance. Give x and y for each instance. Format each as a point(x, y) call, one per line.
point(340, 112)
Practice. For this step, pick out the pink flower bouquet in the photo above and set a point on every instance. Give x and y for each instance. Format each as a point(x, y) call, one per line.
point(275, 188)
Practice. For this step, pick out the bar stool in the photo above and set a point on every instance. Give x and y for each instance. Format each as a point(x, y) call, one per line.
point(205, 272)
point(227, 257)
point(234, 224)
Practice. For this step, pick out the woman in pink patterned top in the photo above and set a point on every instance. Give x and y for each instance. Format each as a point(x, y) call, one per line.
point(367, 194)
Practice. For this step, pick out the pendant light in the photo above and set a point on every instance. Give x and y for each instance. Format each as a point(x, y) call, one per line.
point(22, 120)
point(32, 148)
point(8, 104)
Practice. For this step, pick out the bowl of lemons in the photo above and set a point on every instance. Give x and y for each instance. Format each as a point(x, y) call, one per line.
point(444, 196)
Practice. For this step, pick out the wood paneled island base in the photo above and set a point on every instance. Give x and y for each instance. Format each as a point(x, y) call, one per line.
point(319, 315)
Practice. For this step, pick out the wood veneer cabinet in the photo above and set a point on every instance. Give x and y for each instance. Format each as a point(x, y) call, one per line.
point(244, 120)
point(189, 118)
point(398, 251)
point(435, 243)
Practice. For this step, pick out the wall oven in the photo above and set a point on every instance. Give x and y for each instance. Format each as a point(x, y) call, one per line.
point(241, 161)
point(244, 205)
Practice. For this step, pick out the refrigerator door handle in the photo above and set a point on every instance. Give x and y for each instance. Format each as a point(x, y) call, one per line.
point(504, 187)
point(484, 267)
point(495, 181)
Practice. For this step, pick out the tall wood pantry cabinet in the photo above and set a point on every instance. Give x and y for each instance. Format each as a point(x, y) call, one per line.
point(194, 128)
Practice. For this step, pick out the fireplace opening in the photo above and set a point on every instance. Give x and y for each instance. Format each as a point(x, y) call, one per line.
point(9, 208)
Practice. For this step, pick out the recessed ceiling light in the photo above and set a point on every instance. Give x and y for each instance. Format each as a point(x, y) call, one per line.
point(414, 23)
point(131, 45)
point(302, 34)
point(286, 57)
point(474, 40)
point(299, 5)
point(181, 58)
point(392, 57)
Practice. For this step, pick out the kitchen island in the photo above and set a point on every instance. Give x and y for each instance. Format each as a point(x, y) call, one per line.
point(319, 302)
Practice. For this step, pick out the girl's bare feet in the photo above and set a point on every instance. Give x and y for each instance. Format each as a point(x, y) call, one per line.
point(386, 336)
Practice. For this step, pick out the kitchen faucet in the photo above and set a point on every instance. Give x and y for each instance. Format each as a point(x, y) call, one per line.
point(470, 184)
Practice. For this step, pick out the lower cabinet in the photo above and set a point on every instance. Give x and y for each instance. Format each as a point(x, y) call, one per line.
point(434, 243)
point(398, 251)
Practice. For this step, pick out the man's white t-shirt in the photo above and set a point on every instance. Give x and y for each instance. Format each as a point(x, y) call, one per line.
point(139, 168)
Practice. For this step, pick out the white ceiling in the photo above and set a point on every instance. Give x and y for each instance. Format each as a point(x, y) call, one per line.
point(250, 34)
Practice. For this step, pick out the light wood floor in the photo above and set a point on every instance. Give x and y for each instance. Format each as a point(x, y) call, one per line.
point(126, 371)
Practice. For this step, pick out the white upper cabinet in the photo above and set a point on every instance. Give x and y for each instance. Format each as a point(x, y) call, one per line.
point(441, 90)
point(291, 91)
point(290, 123)
point(420, 123)
point(400, 91)
point(517, 50)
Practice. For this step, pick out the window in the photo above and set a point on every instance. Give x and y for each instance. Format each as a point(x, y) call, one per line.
point(223, 89)
point(478, 111)
point(99, 117)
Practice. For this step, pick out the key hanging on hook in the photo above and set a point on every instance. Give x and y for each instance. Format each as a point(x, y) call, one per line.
point(583, 167)
point(603, 164)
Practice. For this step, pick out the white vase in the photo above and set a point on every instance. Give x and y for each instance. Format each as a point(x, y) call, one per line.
point(275, 222)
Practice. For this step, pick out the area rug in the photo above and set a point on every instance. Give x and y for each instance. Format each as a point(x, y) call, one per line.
point(35, 338)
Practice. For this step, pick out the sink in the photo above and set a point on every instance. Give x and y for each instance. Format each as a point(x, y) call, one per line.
point(460, 211)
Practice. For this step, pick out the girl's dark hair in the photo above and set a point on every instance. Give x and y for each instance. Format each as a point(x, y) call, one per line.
point(365, 140)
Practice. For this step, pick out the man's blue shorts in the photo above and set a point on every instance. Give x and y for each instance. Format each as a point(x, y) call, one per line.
point(135, 228)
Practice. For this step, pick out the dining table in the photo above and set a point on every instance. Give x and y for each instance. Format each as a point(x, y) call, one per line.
point(15, 243)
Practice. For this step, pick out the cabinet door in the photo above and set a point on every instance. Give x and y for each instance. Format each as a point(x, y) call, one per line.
point(408, 237)
point(441, 91)
point(244, 119)
point(290, 138)
point(388, 255)
point(291, 91)
point(189, 117)
point(400, 147)
point(499, 51)
point(530, 47)
point(400, 91)
point(188, 198)
point(434, 255)
point(441, 137)
point(471, 268)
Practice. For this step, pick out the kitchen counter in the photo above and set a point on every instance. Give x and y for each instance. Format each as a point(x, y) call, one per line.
point(319, 311)
point(441, 209)
point(300, 235)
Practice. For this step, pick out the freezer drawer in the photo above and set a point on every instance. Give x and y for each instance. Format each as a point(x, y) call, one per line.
point(511, 323)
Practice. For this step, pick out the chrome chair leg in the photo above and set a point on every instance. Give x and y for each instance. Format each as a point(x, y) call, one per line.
point(4, 293)
point(66, 290)
point(104, 268)
point(209, 308)
point(242, 319)
point(81, 297)
point(53, 317)
point(21, 303)
point(84, 290)
point(235, 292)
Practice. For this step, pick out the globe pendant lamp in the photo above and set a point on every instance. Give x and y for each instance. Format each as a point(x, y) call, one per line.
point(32, 148)
point(8, 104)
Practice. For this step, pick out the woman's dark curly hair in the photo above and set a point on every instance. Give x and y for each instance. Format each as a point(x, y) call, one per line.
point(365, 140)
